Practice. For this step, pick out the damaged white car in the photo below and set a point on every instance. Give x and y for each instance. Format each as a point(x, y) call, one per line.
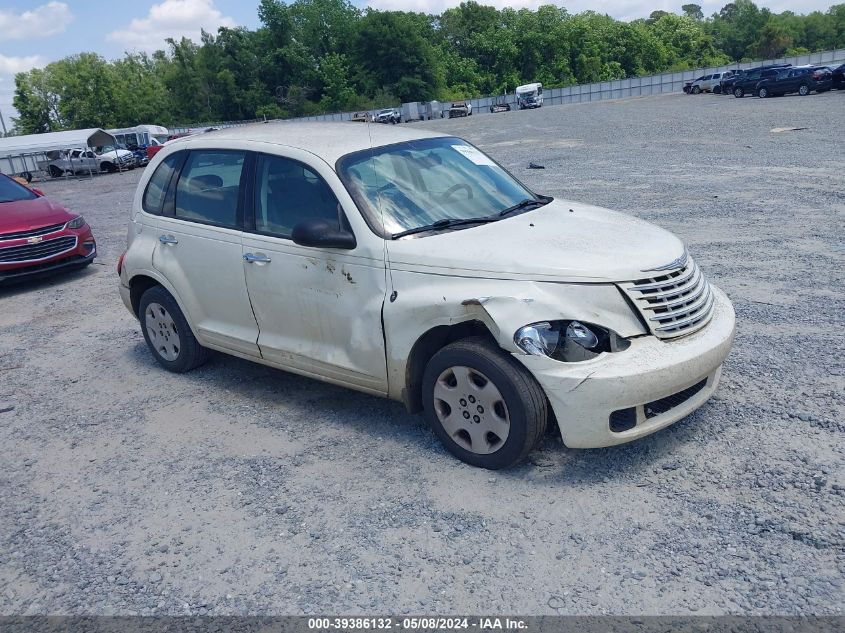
point(411, 265)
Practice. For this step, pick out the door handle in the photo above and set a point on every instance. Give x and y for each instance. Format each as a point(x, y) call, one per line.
point(252, 258)
point(167, 239)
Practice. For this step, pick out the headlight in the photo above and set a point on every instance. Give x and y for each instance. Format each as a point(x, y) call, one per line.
point(568, 341)
point(76, 223)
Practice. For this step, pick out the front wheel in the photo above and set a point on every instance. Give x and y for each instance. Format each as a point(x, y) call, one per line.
point(804, 90)
point(167, 332)
point(739, 93)
point(763, 93)
point(485, 407)
point(696, 90)
point(55, 172)
point(717, 90)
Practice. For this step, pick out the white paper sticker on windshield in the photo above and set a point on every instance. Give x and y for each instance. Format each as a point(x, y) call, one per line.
point(473, 154)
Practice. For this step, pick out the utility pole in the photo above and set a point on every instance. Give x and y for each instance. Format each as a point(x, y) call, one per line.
point(3, 122)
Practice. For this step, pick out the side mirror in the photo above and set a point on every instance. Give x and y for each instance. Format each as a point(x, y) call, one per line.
point(322, 234)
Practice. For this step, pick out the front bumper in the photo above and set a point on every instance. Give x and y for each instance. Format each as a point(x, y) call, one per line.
point(584, 395)
point(81, 254)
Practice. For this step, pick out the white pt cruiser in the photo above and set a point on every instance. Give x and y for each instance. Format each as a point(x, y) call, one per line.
point(410, 265)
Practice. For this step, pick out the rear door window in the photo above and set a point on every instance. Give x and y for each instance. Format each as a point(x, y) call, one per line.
point(208, 190)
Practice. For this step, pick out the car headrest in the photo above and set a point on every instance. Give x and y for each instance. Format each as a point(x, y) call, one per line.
point(206, 181)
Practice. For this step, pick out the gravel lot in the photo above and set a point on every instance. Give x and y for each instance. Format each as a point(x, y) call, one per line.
point(240, 489)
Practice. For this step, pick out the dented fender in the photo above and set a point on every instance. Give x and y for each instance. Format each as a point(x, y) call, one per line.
point(423, 302)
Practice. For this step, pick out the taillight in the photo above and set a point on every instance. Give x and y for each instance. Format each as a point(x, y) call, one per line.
point(120, 263)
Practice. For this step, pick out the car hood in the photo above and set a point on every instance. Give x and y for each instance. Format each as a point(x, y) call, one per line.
point(115, 153)
point(31, 214)
point(561, 241)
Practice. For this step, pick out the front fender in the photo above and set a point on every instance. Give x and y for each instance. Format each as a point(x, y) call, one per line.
point(423, 302)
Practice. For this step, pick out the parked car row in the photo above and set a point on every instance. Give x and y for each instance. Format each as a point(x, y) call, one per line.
point(770, 81)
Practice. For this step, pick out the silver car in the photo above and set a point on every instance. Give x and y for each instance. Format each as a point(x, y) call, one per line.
point(710, 83)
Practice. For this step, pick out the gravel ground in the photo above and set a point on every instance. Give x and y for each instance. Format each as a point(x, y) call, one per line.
point(240, 489)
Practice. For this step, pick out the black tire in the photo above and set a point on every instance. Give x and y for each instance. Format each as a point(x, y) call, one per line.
point(717, 90)
point(525, 402)
point(109, 167)
point(763, 92)
point(739, 93)
point(190, 353)
point(696, 90)
point(55, 172)
point(804, 90)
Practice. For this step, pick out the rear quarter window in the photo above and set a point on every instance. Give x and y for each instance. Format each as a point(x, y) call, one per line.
point(209, 187)
point(156, 189)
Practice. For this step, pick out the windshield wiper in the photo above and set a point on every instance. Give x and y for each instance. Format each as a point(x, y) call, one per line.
point(445, 223)
point(448, 223)
point(524, 204)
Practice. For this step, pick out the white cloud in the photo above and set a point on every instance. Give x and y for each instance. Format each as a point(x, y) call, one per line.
point(620, 9)
point(44, 21)
point(12, 65)
point(171, 18)
point(8, 67)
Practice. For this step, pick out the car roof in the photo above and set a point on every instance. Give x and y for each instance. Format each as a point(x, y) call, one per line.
point(329, 141)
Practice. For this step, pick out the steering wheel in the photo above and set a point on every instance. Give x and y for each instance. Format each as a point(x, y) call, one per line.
point(454, 189)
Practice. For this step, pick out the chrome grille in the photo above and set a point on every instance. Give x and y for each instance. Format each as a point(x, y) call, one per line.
point(38, 251)
point(44, 230)
point(675, 303)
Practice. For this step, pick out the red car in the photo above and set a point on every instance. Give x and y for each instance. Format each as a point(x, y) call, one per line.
point(38, 236)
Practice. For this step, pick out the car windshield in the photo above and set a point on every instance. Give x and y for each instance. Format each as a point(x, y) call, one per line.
point(11, 191)
point(417, 183)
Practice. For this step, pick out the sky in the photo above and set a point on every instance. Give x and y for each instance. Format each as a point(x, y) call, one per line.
point(36, 32)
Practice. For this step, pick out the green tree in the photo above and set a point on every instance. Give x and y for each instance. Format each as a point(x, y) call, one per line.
point(693, 11)
point(37, 106)
point(773, 41)
point(392, 54)
point(338, 94)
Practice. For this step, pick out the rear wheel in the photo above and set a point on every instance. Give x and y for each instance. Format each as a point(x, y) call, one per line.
point(739, 93)
point(485, 407)
point(167, 332)
point(804, 90)
point(55, 172)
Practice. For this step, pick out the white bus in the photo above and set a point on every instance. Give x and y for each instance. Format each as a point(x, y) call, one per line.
point(141, 135)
